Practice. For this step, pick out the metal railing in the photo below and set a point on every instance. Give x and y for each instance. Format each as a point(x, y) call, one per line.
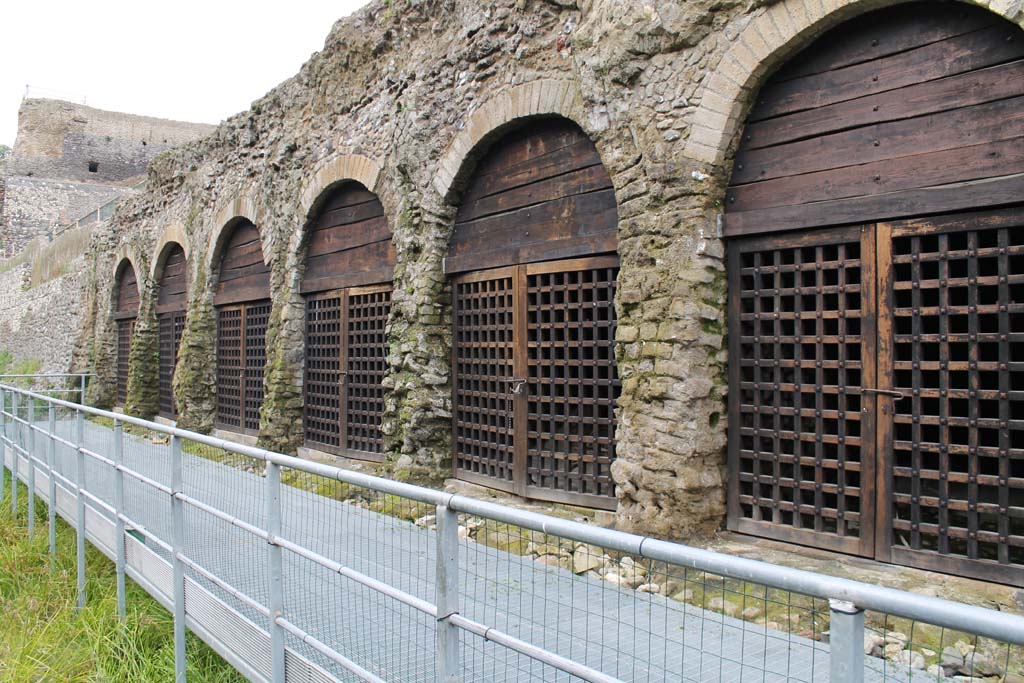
point(298, 571)
point(74, 384)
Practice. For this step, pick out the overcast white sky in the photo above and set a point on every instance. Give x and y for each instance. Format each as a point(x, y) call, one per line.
point(187, 59)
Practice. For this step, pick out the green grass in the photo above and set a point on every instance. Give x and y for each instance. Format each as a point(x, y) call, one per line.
point(43, 637)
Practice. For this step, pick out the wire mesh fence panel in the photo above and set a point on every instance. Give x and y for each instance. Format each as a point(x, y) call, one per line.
point(361, 590)
point(233, 485)
point(373, 535)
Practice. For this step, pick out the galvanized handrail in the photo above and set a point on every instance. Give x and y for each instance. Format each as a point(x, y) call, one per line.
point(847, 598)
point(83, 379)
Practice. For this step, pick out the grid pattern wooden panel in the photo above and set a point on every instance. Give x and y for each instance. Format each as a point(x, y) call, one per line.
point(800, 339)
point(171, 326)
point(957, 436)
point(573, 385)
point(257, 316)
point(230, 328)
point(323, 379)
point(125, 330)
point(484, 422)
point(366, 351)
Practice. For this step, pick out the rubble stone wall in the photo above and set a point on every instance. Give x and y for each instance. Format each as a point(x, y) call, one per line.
point(405, 95)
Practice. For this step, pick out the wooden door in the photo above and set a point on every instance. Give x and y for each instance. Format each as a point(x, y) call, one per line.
point(535, 379)
point(125, 330)
point(349, 263)
point(172, 296)
point(533, 266)
point(802, 349)
point(877, 391)
point(171, 325)
point(346, 350)
point(230, 366)
point(126, 309)
point(952, 349)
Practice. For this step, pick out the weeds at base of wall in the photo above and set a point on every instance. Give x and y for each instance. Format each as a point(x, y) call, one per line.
point(24, 366)
point(43, 637)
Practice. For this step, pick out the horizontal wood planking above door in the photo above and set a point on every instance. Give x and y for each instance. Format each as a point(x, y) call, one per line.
point(899, 113)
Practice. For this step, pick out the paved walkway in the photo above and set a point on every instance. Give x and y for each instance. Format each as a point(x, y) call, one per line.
point(633, 636)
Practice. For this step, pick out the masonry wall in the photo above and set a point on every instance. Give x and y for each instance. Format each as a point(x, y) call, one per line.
point(403, 98)
point(69, 158)
point(41, 324)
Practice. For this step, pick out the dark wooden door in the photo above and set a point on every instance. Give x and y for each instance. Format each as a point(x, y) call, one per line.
point(241, 359)
point(952, 349)
point(349, 263)
point(126, 310)
point(877, 391)
point(243, 314)
point(172, 295)
point(171, 326)
point(125, 330)
point(533, 266)
point(346, 349)
point(802, 349)
point(535, 379)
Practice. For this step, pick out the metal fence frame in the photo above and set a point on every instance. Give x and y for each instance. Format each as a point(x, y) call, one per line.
point(34, 457)
point(82, 379)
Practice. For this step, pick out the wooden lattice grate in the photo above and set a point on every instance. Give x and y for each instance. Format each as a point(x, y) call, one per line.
point(798, 351)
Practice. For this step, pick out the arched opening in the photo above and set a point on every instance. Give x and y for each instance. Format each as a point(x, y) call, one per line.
point(876, 273)
point(171, 302)
point(126, 311)
point(242, 302)
point(349, 266)
point(533, 268)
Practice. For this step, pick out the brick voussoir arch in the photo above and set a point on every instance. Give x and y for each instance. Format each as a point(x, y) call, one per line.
point(769, 39)
point(536, 98)
point(173, 234)
point(128, 253)
point(241, 207)
point(316, 187)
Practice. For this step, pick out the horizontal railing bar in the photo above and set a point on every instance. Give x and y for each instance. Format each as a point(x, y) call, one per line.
point(326, 651)
point(53, 374)
point(99, 503)
point(223, 585)
point(144, 530)
point(223, 516)
point(541, 655)
point(958, 616)
point(359, 577)
point(137, 476)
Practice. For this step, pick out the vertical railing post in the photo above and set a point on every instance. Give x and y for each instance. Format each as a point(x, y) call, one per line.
point(16, 429)
point(80, 505)
point(3, 443)
point(846, 642)
point(178, 518)
point(120, 560)
point(31, 416)
point(276, 588)
point(51, 461)
point(447, 659)
point(82, 401)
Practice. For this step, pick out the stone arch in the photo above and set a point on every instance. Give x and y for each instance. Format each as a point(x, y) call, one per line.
point(770, 38)
point(544, 97)
point(128, 254)
point(241, 208)
point(325, 179)
point(173, 234)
